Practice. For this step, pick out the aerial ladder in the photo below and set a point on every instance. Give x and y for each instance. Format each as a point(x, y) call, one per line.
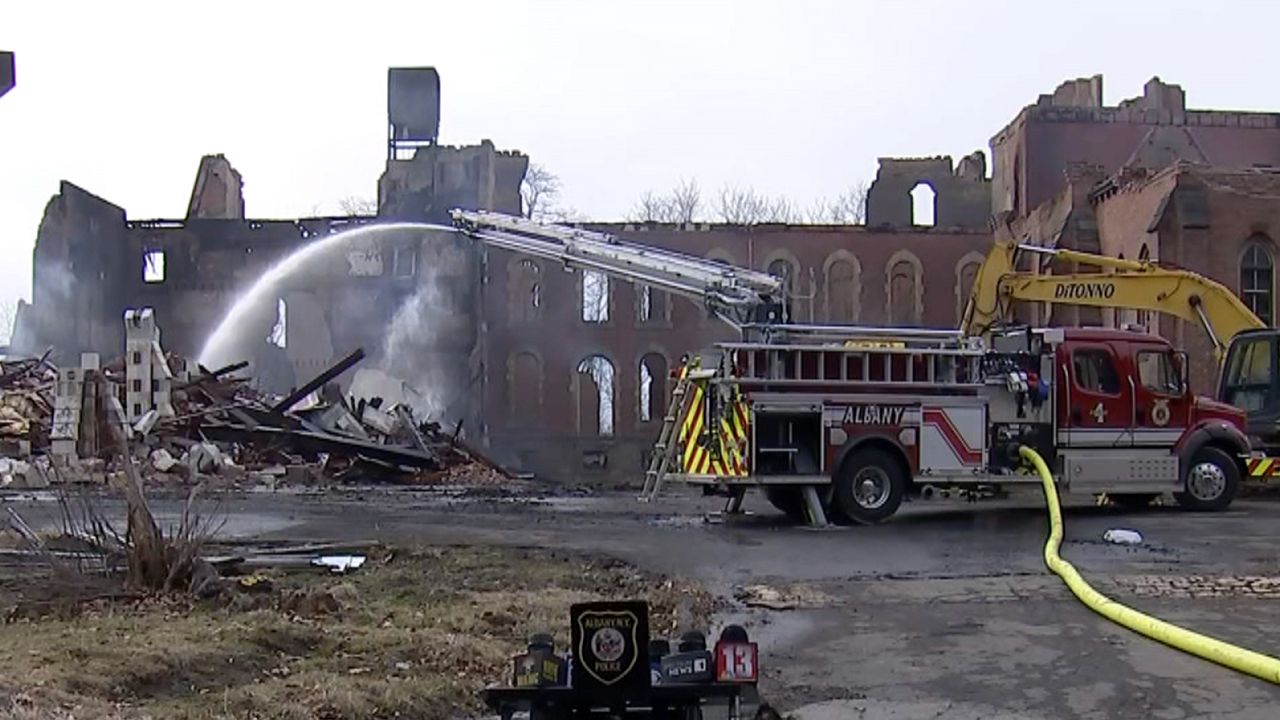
point(1245, 348)
point(741, 297)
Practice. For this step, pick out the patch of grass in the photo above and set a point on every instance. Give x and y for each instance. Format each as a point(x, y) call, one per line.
point(417, 637)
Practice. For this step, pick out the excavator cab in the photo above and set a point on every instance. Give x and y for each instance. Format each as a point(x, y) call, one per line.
point(1250, 380)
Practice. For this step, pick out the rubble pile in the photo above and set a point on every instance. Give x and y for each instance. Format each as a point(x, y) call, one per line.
point(26, 405)
point(185, 422)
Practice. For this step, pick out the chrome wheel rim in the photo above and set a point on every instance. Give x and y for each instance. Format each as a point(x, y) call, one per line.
point(871, 488)
point(1206, 481)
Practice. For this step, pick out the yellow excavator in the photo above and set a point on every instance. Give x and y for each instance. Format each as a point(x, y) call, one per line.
point(1246, 349)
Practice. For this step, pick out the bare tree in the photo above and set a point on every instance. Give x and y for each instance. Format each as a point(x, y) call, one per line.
point(8, 319)
point(682, 204)
point(851, 206)
point(746, 206)
point(539, 191)
point(686, 200)
point(848, 208)
point(540, 197)
point(352, 205)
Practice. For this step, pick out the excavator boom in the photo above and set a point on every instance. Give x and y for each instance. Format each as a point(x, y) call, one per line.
point(1125, 284)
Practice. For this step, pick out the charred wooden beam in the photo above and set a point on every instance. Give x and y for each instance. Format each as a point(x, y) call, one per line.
point(318, 381)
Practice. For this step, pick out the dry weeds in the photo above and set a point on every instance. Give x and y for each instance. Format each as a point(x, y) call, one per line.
point(418, 636)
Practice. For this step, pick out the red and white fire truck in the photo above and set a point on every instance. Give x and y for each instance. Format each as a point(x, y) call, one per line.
point(844, 423)
point(850, 422)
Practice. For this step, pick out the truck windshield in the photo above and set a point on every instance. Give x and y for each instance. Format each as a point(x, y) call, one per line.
point(1158, 374)
point(1248, 375)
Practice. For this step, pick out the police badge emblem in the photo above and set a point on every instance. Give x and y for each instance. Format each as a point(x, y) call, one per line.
point(611, 645)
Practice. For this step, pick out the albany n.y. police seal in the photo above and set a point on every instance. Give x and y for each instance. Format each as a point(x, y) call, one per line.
point(610, 643)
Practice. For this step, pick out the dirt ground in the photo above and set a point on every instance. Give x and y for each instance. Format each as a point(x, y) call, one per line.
point(413, 634)
point(946, 611)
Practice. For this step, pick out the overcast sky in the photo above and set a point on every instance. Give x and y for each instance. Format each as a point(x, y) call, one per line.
point(789, 97)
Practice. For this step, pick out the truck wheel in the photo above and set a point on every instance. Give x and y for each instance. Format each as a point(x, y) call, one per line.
point(1211, 481)
point(869, 486)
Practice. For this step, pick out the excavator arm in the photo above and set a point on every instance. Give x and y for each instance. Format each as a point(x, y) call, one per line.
point(1123, 284)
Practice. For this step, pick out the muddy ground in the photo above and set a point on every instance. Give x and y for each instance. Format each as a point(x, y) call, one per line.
point(946, 611)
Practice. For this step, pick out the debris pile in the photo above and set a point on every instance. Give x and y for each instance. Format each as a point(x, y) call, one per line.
point(26, 405)
point(182, 421)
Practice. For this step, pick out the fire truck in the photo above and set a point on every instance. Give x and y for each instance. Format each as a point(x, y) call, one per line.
point(842, 423)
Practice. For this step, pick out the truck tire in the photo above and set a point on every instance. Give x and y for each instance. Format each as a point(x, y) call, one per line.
point(1211, 481)
point(869, 486)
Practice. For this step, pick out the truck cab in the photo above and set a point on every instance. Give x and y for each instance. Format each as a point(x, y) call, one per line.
point(1128, 389)
point(1126, 422)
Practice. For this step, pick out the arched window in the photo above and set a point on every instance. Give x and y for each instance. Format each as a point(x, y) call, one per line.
point(280, 331)
point(651, 305)
point(524, 286)
point(595, 297)
point(966, 275)
point(653, 386)
point(785, 272)
point(595, 384)
point(1257, 278)
point(841, 288)
point(905, 304)
point(525, 390)
point(788, 272)
point(923, 205)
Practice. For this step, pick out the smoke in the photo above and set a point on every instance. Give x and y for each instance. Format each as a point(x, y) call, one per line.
point(429, 341)
point(410, 350)
point(236, 337)
point(53, 287)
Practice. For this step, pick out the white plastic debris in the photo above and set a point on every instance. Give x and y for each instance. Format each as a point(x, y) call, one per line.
point(339, 563)
point(16, 473)
point(145, 423)
point(162, 460)
point(1118, 536)
point(204, 458)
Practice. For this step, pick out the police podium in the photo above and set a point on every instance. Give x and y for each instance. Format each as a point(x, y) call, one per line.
point(610, 672)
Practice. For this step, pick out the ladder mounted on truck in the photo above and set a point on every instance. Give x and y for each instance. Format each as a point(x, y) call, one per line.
point(737, 295)
point(666, 451)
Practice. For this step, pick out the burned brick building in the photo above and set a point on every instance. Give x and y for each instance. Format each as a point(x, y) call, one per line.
point(566, 374)
point(1145, 179)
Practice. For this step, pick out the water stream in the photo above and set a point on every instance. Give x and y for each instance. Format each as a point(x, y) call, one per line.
point(225, 344)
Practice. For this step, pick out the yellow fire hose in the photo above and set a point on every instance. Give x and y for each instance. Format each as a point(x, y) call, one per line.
point(1236, 658)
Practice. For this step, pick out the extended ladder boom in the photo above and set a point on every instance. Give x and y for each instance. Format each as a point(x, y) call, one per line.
point(735, 294)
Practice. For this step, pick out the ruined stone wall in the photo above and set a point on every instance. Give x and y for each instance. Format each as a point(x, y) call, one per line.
point(77, 272)
point(440, 178)
point(1031, 154)
point(410, 297)
point(962, 196)
point(541, 412)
